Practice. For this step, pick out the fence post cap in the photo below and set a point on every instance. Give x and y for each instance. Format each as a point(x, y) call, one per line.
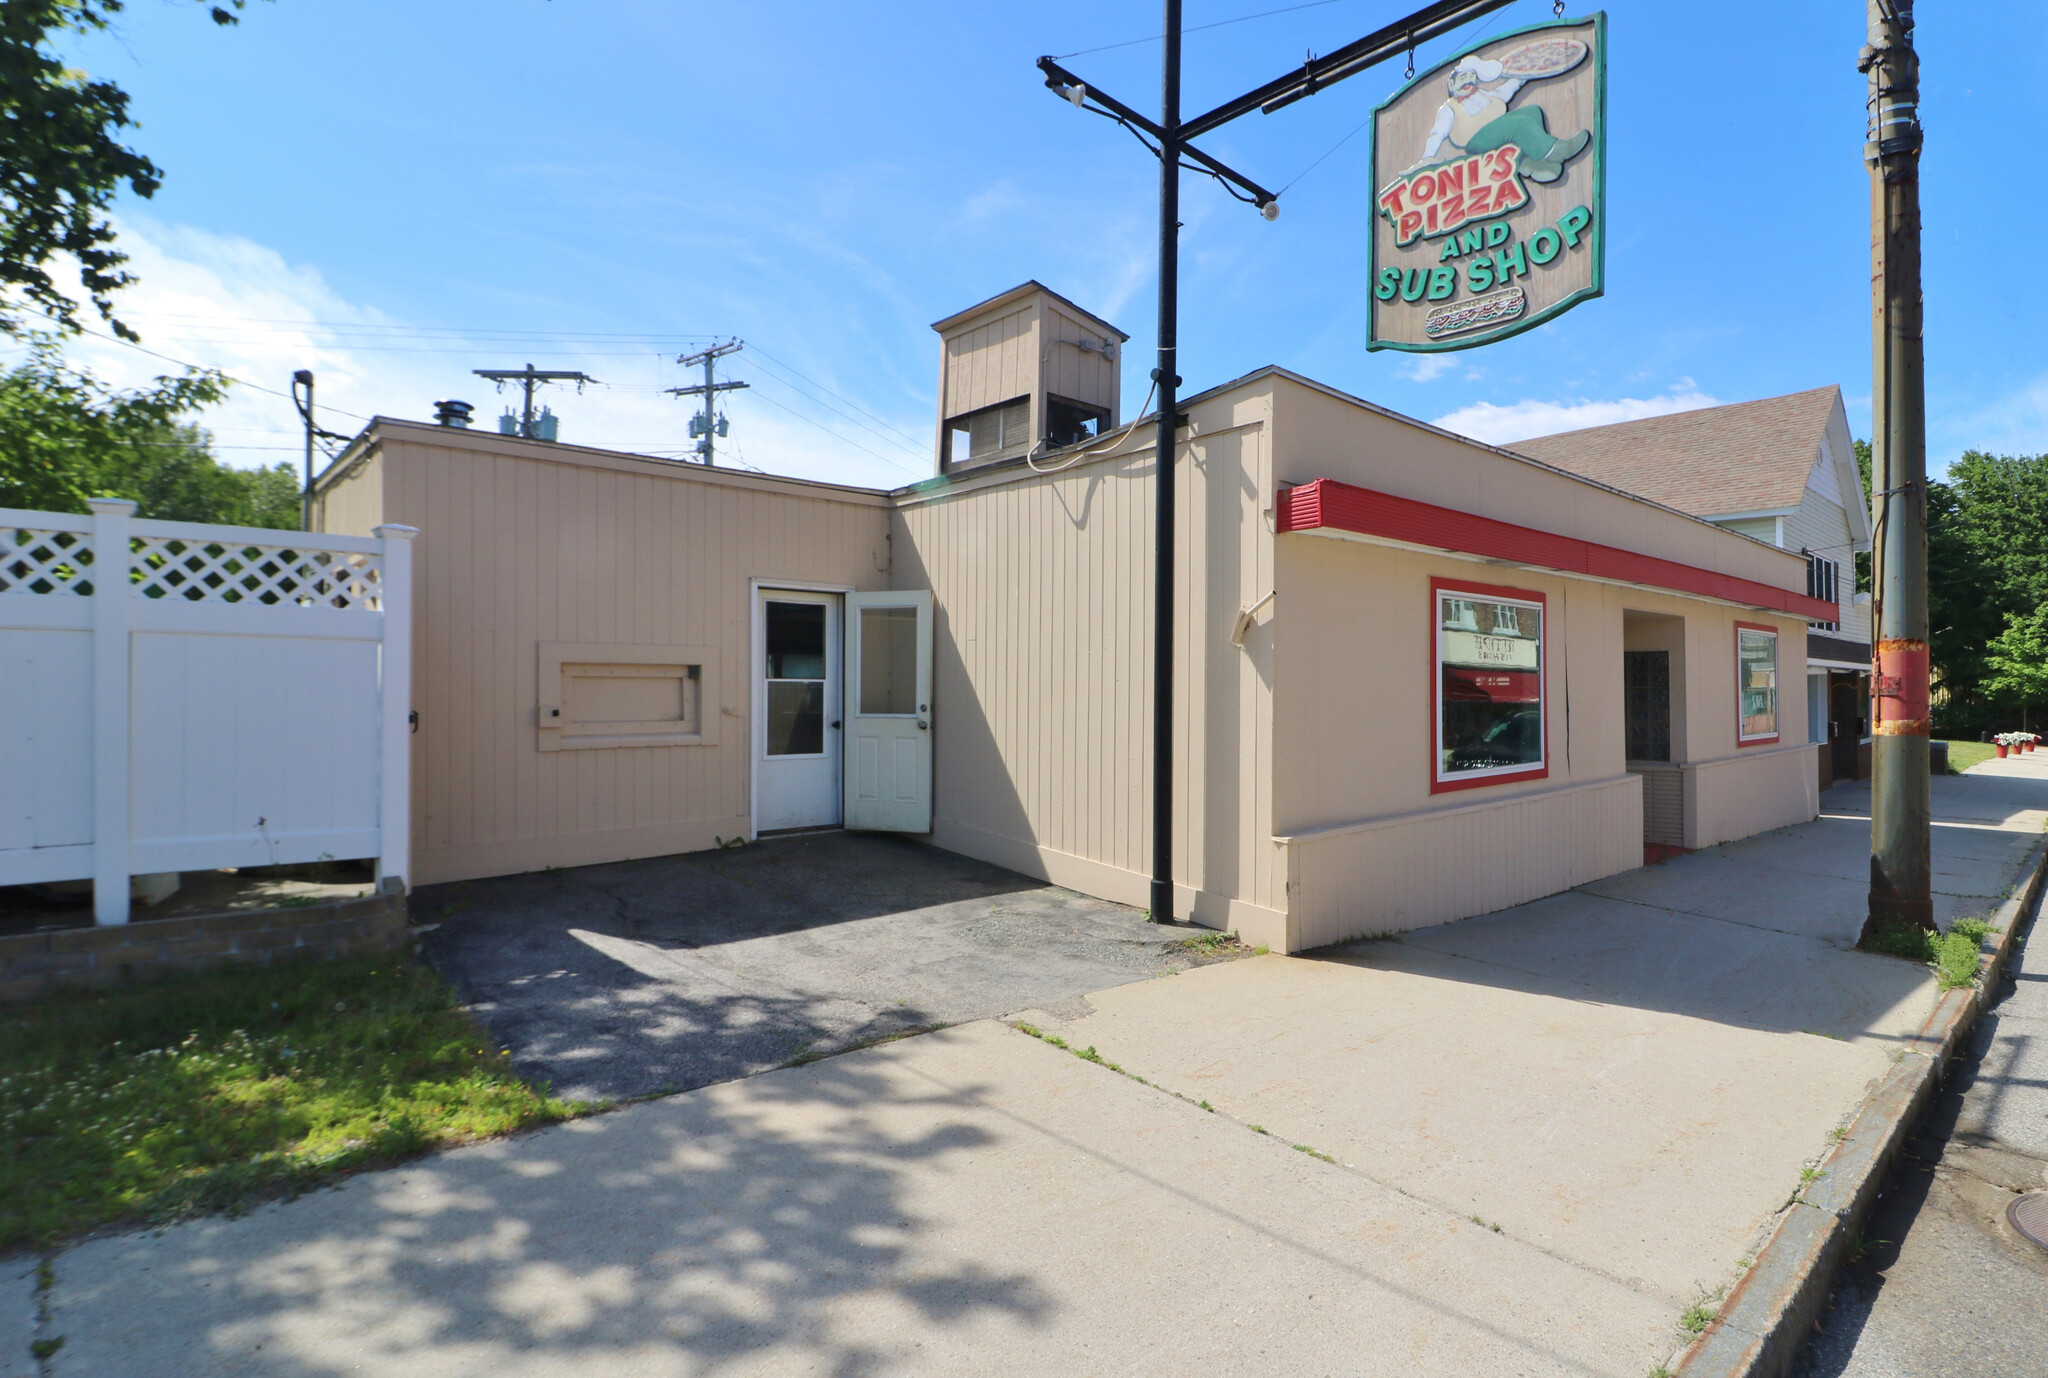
point(393, 532)
point(112, 507)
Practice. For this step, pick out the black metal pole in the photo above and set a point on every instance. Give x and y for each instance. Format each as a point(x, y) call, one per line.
point(304, 378)
point(1164, 446)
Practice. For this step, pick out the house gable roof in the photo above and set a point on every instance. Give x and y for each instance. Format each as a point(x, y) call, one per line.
point(1745, 458)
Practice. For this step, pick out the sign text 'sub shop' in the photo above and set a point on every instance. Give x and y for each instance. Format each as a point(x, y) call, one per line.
point(1491, 189)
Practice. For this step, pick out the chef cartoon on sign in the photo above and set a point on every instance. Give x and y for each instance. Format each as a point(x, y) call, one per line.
point(1479, 116)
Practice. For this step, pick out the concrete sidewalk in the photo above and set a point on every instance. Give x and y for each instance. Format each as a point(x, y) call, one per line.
point(1550, 1130)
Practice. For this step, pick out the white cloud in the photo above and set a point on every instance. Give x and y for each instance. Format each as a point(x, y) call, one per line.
point(2014, 424)
point(219, 301)
point(1503, 425)
point(1423, 368)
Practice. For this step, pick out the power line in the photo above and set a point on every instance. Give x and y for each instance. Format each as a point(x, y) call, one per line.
point(915, 443)
point(201, 368)
point(838, 437)
point(1197, 28)
point(895, 437)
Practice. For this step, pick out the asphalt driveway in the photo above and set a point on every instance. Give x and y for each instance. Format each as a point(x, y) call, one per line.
point(676, 972)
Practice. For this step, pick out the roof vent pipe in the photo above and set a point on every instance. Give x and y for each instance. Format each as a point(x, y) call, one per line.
point(452, 413)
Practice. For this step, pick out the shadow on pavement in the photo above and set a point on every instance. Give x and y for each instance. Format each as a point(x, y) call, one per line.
point(675, 972)
point(707, 1232)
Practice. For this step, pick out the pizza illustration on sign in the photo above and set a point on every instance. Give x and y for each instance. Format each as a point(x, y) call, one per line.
point(1489, 190)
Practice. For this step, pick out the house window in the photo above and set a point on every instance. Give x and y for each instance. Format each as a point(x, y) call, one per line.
point(1823, 581)
point(980, 436)
point(1756, 684)
point(1488, 686)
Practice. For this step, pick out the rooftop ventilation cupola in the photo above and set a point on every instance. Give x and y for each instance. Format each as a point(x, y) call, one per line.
point(1024, 372)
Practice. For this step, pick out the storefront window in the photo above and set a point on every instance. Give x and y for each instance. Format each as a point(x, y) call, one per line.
point(1756, 678)
point(1489, 686)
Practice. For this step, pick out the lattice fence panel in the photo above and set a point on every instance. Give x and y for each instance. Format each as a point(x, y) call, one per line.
point(35, 560)
point(213, 572)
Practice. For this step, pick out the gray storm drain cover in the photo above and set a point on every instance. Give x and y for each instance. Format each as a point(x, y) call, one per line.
point(2029, 1215)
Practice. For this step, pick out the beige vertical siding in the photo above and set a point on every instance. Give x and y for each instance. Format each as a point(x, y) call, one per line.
point(1042, 586)
point(353, 503)
point(523, 543)
point(992, 363)
point(1075, 373)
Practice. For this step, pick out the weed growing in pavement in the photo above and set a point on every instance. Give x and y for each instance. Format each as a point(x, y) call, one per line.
point(1861, 1246)
point(1952, 956)
point(1206, 1106)
point(1809, 1175)
point(44, 1349)
point(1839, 1133)
point(1219, 947)
point(1659, 1372)
point(1701, 1313)
point(1256, 1128)
point(214, 1090)
point(1313, 1153)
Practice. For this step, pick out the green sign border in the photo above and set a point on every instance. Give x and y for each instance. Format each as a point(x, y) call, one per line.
point(1599, 235)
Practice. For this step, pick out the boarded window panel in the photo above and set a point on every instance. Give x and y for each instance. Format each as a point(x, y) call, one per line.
point(888, 661)
point(615, 699)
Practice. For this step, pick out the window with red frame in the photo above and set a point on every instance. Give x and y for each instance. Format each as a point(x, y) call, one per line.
point(1489, 686)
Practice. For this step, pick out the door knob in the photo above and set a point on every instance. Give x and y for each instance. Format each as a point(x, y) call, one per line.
point(835, 722)
point(923, 726)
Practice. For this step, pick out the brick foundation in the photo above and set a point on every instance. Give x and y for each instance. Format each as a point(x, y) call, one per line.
point(34, 964)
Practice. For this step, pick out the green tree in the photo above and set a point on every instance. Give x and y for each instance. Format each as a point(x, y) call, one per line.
point(65, 437)
point(2018, 660)
point(62, 162)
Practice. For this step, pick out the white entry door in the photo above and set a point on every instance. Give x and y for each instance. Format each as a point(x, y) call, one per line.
point(889, 712)
point(797, 734)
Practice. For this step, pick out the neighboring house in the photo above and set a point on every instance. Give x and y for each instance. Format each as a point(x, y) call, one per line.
point(1398, 665)
point(1781, 470)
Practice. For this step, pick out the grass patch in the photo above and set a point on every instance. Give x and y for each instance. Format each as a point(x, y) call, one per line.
point(1963, 755)
point(1697, 1317)
point(1952, 956)
point(204, 1093)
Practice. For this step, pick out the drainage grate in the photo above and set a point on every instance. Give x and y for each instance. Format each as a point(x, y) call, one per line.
point(2029, 1215)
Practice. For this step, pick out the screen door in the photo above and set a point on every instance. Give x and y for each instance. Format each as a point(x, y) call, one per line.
point(796, 710)
point(889, 711)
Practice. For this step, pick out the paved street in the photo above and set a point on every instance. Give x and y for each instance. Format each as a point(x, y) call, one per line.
point(1947, 1288)
point(1523, 1144)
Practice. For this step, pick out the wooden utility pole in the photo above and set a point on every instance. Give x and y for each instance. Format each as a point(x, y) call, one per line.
point(1901, 892)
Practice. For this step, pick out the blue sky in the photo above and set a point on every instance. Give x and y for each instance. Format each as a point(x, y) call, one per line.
point(395, 193)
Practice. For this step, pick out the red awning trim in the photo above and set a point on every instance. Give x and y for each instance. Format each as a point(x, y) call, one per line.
point(1328, 504)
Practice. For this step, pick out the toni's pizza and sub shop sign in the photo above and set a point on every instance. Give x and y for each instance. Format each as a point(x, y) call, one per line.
point(1489, 177)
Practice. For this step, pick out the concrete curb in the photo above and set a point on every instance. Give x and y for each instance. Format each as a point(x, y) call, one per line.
point(1769, 1314)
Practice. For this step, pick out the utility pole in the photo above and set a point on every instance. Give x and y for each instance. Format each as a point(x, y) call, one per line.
point(1170, 140)
point(704, 425)
point(303, 378)
point(532, 378)
point(1901, 892)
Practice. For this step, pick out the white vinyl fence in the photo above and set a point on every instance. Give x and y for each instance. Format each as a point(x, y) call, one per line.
point(178, 697)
